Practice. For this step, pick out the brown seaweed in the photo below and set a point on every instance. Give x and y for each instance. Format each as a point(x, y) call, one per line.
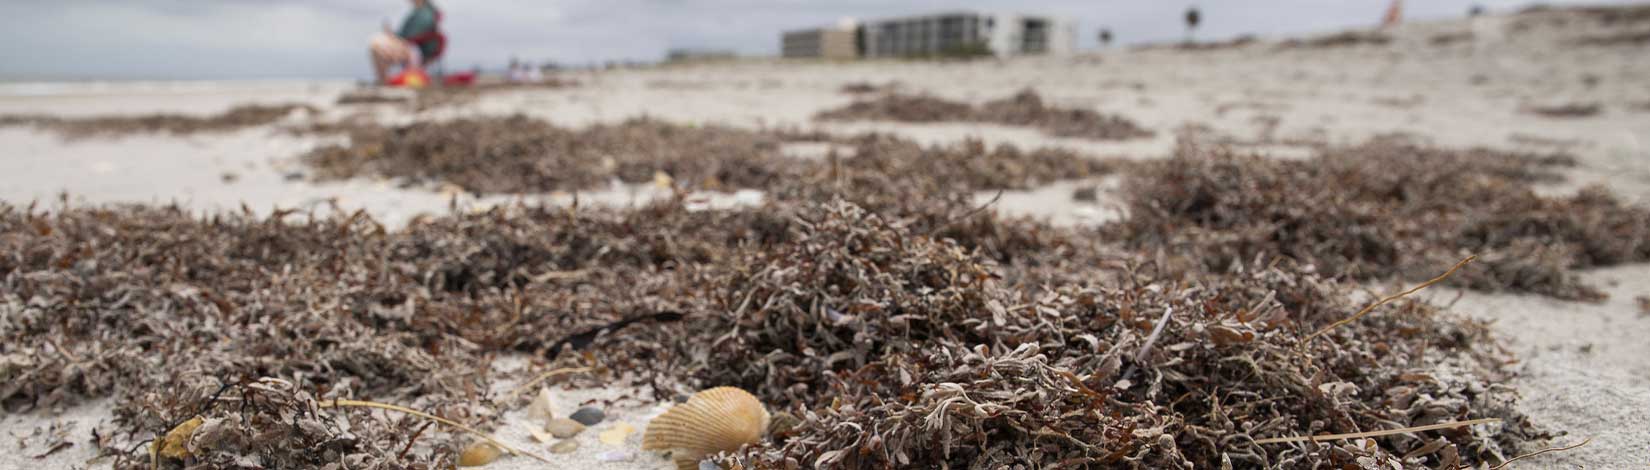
point(1025, 108)
point(524, 155)
point(236, 118)
point(1386, 208)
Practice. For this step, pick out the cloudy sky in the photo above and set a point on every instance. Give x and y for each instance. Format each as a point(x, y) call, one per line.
point(167, 39)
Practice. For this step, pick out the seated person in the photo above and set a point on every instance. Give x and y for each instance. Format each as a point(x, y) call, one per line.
point(418, 41)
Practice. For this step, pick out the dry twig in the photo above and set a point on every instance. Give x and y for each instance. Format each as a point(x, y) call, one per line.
point(1388, 432)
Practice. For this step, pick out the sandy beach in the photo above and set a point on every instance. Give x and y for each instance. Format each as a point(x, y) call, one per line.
point(1582, 368)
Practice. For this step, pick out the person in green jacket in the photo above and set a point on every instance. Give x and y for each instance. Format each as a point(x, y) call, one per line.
point(418, 41)
point(421, 28)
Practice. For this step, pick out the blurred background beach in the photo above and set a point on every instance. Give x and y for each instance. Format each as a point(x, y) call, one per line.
point(1284, 77)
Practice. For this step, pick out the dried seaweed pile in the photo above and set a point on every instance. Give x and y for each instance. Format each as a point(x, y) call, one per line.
point(901, 350)
point(862, 87)
point(1623, 38)
point(970, 165)
point(923, 328)
point(371, 96)
point(524, 155)
point(1201, 46)
point(435, 97)
point(1385, 208)
point(1567, 110)
point(1611, 15)
point(235, 118)
point(166, 311)
point(252, 324)
point(1025, 108)
point(902, 107)
point(1341, 39)
point(520, 154)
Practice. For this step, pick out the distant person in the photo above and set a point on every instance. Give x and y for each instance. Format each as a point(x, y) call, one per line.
point(1394, 14)
point(419, 41)
point(535, 73)
point(1475, 11)
point(1105, 37)
point(517, 72)
point(1193, 17)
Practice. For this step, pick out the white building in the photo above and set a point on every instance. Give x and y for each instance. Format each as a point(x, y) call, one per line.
point(969, 32)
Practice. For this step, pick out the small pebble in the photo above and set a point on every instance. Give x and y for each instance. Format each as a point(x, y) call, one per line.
point(616, 456)
point(708, 465)
point(478, 454)
point(588, 416)
point(565, 447)
point(564, 428)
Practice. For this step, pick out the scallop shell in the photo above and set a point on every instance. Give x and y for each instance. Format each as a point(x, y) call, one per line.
point(717, 420)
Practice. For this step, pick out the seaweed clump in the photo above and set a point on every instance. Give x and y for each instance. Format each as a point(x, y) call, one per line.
point(236, 118)
point(1387, 208)
point(1025, 108)
point(1568, 110)
point(230, 318)
point(1341, 39)
point(913, 337)
point(896, 349)
point(524, 155)
point(520, 154)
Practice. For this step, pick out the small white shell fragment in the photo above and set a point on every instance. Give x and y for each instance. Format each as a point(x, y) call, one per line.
point(542, 409)
point(616, 456)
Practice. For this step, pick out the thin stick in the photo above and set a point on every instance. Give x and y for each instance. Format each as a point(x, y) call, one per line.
point(1146, 350)
point(971, 213)
point(410, 442)
point(516, 392)
point(558, 275)
point(1389, 298)
point(1331, 437)
point(438, 419)
point(1539, 452)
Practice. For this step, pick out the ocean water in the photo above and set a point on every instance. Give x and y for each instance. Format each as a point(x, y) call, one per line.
point(95, 98)
point(166, 87)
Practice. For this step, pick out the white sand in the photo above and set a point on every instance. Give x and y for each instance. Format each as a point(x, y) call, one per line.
point(1584, 366)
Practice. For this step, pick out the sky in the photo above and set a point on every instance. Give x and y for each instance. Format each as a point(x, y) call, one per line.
point(236, 39)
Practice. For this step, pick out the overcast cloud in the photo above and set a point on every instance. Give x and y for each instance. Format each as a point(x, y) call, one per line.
point(148, 39)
